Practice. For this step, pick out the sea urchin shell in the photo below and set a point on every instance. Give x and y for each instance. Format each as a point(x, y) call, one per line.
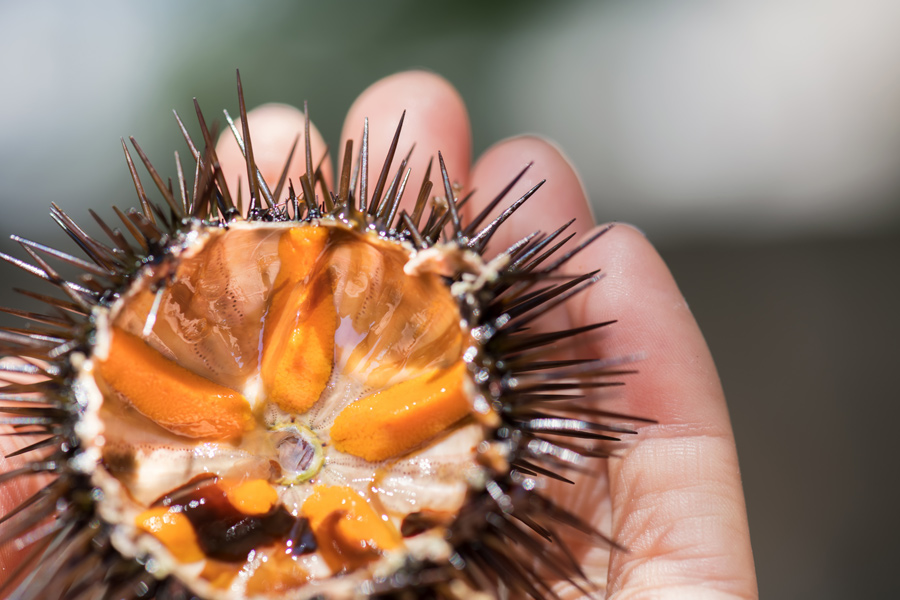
point(322, 395)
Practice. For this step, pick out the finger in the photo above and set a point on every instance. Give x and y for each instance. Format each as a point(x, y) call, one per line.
point(13, 493)
point(560, 199)
point(676, 496)
point(274, 128)
point(17, 490)
point(436, 120)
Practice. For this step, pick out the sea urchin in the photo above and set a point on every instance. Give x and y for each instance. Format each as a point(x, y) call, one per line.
point(322, 395)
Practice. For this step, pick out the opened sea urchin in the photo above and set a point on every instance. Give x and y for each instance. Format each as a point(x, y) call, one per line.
point(322, 395)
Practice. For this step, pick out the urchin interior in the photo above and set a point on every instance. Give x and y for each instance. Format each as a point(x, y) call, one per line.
point(299, 372)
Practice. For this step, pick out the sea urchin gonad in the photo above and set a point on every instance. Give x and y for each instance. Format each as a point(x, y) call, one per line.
point(321, 395)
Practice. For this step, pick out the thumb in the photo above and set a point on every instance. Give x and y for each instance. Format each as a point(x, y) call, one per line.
point(676, 495)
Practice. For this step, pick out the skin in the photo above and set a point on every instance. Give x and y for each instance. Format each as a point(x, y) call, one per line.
point(673, 498)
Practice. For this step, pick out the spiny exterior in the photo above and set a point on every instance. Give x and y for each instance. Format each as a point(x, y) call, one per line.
point(531, 406)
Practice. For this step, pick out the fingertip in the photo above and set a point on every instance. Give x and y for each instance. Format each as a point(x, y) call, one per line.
point(273, 129)
point(415, 89)
point(562, 196)
point(436, 120)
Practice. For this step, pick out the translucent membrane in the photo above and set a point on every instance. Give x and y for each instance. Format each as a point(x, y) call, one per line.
point(278, 401)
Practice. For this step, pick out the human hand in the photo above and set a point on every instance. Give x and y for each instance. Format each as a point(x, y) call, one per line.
point(674, 497)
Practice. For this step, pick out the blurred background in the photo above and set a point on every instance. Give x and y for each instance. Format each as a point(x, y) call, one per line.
point(757, 143)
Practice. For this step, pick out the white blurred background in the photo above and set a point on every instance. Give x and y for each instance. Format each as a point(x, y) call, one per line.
point(757, 143)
